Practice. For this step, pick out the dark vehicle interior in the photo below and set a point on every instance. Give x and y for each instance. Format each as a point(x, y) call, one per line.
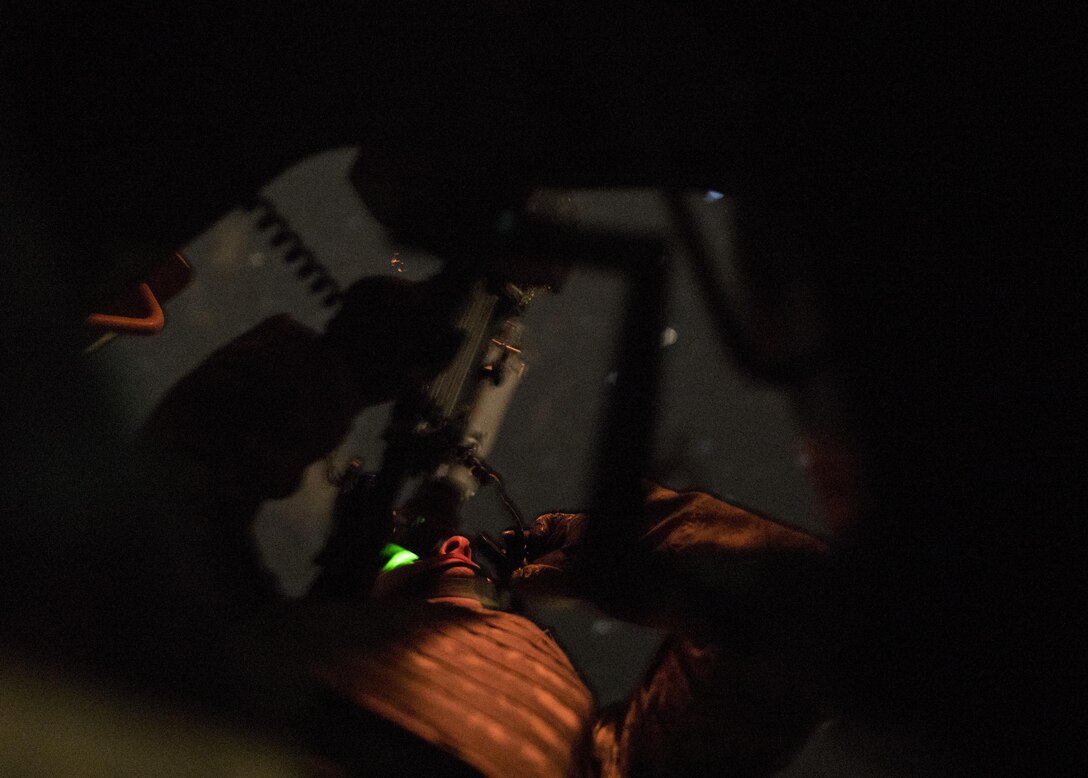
point(771, 223)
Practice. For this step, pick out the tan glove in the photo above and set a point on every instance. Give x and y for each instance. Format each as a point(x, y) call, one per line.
point(714, 563)
point(552, 546)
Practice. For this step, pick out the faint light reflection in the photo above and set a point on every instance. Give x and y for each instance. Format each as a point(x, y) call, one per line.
point(397, 263)
point(603, 626)
point(668, 337)
point(713, 196)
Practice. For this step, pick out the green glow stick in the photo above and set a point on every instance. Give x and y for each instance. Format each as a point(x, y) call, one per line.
point(397, 556)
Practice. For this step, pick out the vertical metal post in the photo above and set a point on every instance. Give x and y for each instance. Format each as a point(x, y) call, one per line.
point(626, 443)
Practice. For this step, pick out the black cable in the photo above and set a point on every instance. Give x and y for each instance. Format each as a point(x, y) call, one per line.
point(482, 468)
point(511, 555)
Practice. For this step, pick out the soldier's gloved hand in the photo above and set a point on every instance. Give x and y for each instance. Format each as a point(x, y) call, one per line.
point(552, 545)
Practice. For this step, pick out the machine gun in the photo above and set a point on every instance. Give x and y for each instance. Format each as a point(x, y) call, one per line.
point(440, 436)
point(437, 443)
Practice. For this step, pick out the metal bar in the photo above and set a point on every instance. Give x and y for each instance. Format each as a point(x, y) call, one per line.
point(626, 441)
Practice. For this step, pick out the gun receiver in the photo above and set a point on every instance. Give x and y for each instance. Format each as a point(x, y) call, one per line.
point(438, 436)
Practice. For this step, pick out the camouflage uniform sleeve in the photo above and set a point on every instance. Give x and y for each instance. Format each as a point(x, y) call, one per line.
point(739, 697)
